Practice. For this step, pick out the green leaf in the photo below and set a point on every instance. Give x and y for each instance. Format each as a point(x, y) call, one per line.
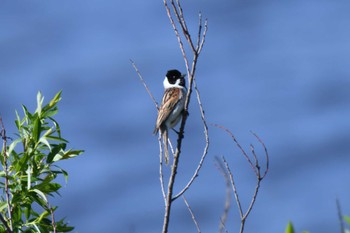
point(48, 188)
point(347, 219)
point(59, 139)
point(13, 145)
point(41, 194)
point(18, 121)
point(289, 228)
point(3, 205)
point(55, 99)
point(62, 227)
point(65, 174)
point(50, 112)
point(27, 210)
point(45, 141)
point(32, 172)
point(26, 113)
point(36, 129)
point(55, 150)
point(39, 101)
point(57, 126)
point(42, 216)
point(67, 155)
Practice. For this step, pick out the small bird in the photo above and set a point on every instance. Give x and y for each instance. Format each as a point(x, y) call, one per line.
point(173, 102)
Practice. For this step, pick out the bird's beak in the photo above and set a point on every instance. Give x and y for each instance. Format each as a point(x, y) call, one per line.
point(183, 75)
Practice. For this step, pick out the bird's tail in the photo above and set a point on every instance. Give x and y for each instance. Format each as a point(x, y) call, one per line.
point(166, 147)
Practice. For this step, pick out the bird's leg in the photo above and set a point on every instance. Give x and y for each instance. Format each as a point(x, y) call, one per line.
point(177, 132)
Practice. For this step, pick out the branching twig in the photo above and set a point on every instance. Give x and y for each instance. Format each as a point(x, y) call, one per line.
point(178, 12)
point(257, 170)
point(7, 193)
point(239, 146)
point(206, 148)
point(266, 155)
point(53, 222)
point(179, 21)
point(192, 214)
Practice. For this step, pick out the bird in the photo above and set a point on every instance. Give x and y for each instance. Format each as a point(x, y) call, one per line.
point(172, 106)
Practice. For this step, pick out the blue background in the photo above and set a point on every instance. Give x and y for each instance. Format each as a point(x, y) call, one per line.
point(278, 68)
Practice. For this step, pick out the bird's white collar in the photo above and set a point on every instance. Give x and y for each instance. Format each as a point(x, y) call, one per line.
point(168, 85)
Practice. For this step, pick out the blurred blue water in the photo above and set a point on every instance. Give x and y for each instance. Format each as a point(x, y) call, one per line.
point(278, 68)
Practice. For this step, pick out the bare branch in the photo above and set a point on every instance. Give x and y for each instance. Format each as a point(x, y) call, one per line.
point(177, 11)
point(257, 170)
point(53, 222)
point(181, 20)
point(266, 155)
point(177, 36)
point(161, 177)
point(192, 214)
point(144, 84)
point(239, 146)
point(224, 215)
point(203, 36)
point(170, 189)
point(252, 202)
point(206, 148)
point(233, 186)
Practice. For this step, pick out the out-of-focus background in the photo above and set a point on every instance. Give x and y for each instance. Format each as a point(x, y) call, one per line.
point(280, 69)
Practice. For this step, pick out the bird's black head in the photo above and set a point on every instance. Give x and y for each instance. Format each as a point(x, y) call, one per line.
point(174, 75)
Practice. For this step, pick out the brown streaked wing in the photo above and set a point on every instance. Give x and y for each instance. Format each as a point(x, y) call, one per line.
point(170, 99)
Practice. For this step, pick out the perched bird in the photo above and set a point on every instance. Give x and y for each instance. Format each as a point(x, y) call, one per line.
point(173, 102)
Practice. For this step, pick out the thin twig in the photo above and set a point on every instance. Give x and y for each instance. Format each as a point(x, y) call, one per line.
point(201, 43)
point(266, 155)
point(180, 18)
point(227, 207)
point(206, 148)
point(177, 36)
point(192, 214)
point(239, 146)
point(233, 186)
point(257, 170)
point(177, 10)
point(144, 84)
point(161, 177)
point(7, 193)
point(170, 187)
point(252, 202)
point(53, 222)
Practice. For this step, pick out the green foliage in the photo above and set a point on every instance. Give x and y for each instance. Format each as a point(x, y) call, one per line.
point(28, 179)
point(289, 228)
point(347, 221)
